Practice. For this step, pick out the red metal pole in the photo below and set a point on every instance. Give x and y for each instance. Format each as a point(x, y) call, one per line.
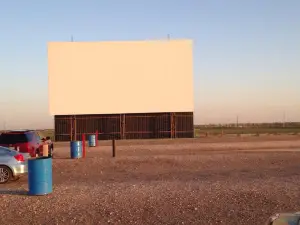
point(97, 137)
point(83, 145)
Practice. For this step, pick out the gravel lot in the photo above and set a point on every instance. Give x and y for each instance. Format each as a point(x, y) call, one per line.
point(164, 182)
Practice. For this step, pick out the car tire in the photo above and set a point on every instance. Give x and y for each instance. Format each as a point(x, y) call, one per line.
point(5, 174)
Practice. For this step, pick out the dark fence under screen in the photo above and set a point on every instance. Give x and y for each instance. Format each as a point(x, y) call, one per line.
point(125, 126)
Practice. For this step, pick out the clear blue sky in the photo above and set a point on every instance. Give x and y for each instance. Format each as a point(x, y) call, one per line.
point(246, 52)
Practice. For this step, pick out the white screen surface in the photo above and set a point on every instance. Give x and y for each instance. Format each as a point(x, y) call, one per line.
point(120, 77)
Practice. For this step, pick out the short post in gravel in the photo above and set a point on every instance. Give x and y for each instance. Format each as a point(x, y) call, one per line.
point(83, 146)
point(113, 148)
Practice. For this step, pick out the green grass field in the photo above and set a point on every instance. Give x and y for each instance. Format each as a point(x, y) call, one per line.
point(45, 133)
point(217, 131)
point(248, 130)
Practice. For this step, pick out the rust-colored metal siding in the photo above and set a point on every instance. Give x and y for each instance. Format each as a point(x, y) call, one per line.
point(125, 126)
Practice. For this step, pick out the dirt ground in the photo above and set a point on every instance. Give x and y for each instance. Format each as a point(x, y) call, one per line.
point(211, 181)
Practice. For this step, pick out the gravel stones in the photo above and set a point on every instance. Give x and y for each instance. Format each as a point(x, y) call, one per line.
point(160, 187)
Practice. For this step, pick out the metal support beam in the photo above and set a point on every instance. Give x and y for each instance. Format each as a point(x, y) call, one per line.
point(75, 129)
point(122, 126)
point(71, 128)
point(173, 125)
point(73, 133)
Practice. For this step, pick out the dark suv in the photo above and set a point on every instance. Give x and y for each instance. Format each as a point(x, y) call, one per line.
point(27, 141)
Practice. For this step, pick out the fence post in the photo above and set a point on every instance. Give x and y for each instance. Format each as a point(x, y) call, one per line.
point(83, 145)
point(113, 148)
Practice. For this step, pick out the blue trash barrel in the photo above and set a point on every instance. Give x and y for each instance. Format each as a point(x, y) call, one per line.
point(92, 140)
point(76, 149)
point(40, 176)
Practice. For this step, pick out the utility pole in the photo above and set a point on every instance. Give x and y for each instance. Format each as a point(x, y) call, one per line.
point(237, 121)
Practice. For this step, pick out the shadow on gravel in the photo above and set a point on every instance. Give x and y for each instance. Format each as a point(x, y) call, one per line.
point(13, 192)
point(63, 158)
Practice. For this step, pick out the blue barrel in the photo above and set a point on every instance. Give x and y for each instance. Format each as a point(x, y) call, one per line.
point(76, 149)
point(92, 140)
point(40, 176)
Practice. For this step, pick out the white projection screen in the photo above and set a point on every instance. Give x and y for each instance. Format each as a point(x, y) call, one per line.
point(120, 77)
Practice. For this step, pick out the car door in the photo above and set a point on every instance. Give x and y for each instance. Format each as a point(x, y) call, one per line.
point(5, 155)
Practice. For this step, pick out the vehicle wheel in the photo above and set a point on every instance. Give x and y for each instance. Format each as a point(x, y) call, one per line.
point(5, 174)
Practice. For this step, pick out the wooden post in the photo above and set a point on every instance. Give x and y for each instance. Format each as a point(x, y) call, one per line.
point(83, 146)
point(113, 148)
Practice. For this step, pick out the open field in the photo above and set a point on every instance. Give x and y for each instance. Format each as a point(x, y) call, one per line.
point(221, 131)
point(165, 182)
point(246, 131)
point(47, 132)
point(201, 132)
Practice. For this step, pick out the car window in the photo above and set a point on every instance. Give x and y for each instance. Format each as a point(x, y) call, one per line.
point(38, 138)
point(4, 151)
point(30, 137)
point(9, 138)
